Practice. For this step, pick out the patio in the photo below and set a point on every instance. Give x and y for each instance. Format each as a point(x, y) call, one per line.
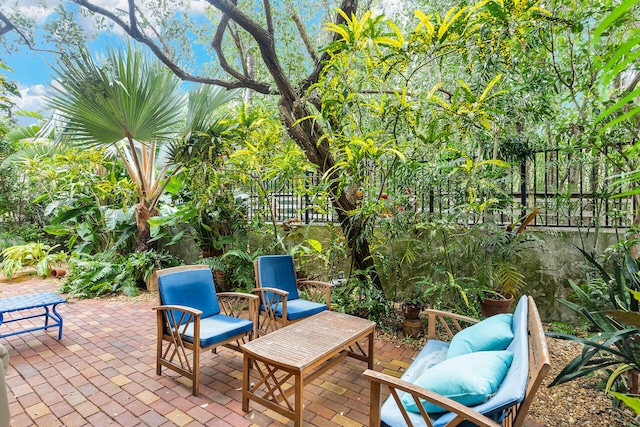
point(102, 373)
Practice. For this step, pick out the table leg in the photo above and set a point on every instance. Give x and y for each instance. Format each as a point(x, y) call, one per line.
point(371, 345)
point(58, 317)
point(299, 410)
point(245, 382)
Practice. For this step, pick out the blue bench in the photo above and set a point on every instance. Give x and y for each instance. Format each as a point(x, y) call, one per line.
point(507, 407)
point(44, 300)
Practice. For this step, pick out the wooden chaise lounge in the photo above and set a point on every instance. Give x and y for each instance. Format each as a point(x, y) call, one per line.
point(507, 407)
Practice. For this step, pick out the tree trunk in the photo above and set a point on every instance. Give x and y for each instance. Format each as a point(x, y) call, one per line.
point(308, 135)
point(143, 213)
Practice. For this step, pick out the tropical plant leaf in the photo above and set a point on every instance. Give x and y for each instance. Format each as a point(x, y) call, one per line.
point(630, 318)
point(631, 402)
point(616, 14)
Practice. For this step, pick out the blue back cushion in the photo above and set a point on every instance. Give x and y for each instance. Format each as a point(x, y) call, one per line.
point(191, 288)
point(277, 271)
point(493, 333)
point(469, 379)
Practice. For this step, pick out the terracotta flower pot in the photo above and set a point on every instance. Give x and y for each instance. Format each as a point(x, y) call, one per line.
point(411, 311)
point(57, 273)
point(412, 328)
point(492, 306)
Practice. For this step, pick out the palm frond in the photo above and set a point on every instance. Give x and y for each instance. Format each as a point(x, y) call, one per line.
point(127, 96)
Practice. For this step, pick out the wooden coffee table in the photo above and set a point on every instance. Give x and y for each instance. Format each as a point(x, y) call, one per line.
point(303, 351)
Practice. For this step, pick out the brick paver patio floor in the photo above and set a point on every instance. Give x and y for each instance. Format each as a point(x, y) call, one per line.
point(102, 373)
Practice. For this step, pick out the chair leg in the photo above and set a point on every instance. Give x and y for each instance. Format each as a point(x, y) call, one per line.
point(159, 340)
point(196, 370)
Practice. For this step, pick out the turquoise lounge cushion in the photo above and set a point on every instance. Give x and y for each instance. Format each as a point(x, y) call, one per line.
point(470, 379)
point(493, 333)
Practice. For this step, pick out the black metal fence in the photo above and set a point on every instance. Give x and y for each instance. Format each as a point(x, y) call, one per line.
point(572, 188)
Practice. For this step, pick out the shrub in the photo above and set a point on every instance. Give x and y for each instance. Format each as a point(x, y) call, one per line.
point(38, 255)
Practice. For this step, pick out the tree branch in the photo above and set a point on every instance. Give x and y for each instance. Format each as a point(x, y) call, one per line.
point(216, 44)
point(9, 26)
point(303, 34)
point(158, 52)
point(266, 44)
point(235, 35)
point(132, 18)
point(267, 14)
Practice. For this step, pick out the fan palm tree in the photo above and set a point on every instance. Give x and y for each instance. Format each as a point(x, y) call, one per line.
point(134, 106)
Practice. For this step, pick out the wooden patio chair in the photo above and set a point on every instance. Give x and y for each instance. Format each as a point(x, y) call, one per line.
point(193, 318)
point(280, 293)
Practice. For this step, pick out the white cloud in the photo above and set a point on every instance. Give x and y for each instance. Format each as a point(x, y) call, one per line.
point(198, 7)
point(32, 97)
point(37, 9)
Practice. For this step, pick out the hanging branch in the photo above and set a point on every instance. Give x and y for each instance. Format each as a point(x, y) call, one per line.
point(235, 35)
point(267, 14)
point(9, 26)
point(303, 34)
point(216, 44)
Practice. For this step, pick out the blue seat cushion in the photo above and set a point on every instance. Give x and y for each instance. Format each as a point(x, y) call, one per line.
point(191, 288)
point(278, 271)
point(469, 379)
point(493, 333)
point(220, 327)
point(299, 308)
point(433, 352)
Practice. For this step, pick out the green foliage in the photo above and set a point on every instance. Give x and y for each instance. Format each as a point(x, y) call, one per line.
point(130, 104)
point(631, 402)
point(617, 342)
point(360, 298)
point(109, 272)
point(7, 87)
point(38, 255)
point(457, 294)
point(601, 352)
point(622, 59)
point(237, 267)
point(563, 327)
point(96, 275)
point(20, 235)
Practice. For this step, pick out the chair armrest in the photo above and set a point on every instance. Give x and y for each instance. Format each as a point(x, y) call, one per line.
point(449, 323)
point(174, 319)
point(277, 291)
point(234, 303)
point(184, 308)
point(317, 291)
point(396, 384)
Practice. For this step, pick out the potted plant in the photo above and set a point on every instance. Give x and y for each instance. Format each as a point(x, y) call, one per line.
point(499, 275)
point(412, 305)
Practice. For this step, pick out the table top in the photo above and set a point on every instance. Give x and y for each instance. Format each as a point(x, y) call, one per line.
point(22, 302)
point(303, 343)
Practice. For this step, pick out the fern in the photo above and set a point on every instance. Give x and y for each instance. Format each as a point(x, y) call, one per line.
point(508, 278)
